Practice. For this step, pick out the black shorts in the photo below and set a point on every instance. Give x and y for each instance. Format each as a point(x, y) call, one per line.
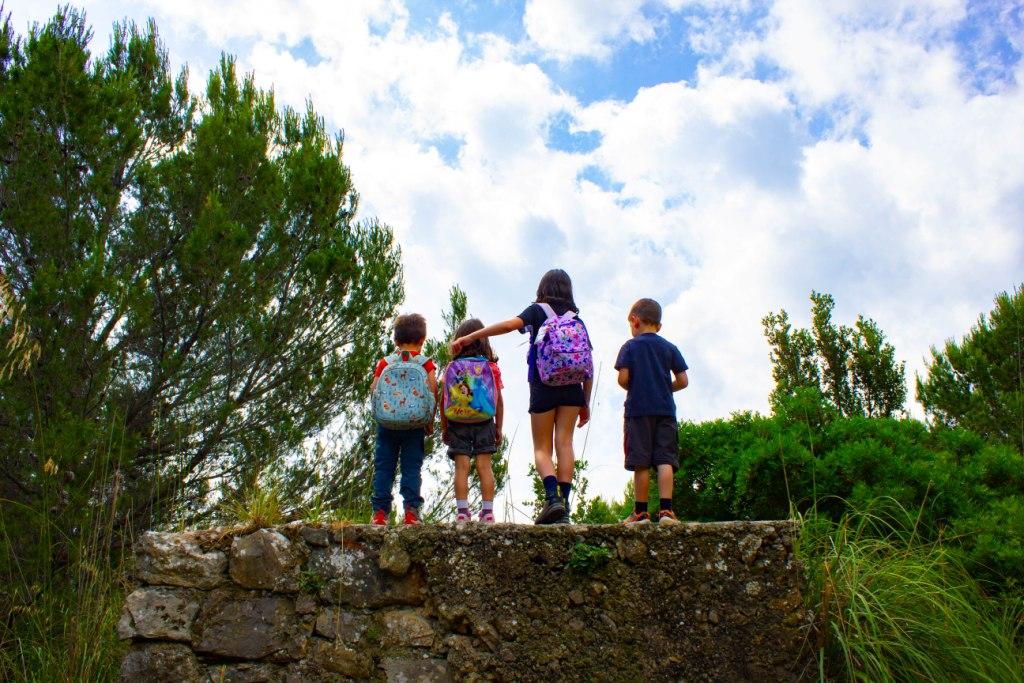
point(477, 438)
point(544, 397)
point(650, 441)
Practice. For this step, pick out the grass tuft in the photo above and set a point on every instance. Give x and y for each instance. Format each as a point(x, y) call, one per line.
point(255, 508)
point(892, 608)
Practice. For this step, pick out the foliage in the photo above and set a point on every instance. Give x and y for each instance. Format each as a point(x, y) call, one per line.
point(806, 457)
point(587, 559)
point(61, 626)
point(256, 508)
point(190, 268)
point(20, 350)
point(893, 608)
point(853, 367)
point(978, 382)
point(440, 507)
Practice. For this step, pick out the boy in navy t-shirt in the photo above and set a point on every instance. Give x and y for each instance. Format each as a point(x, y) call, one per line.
point(650, 370)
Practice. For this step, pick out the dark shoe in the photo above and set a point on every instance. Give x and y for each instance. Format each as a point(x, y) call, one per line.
point(566, 519)
point(553, 510)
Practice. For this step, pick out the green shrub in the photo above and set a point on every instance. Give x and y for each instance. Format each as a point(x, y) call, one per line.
point(807, 458)
point(587, 559)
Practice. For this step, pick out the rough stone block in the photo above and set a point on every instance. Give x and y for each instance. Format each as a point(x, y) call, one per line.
point(249, 626)
point(409, 670)
point(265, 559)
point(245, 673)
point(407, 628)
point(161, 663)
point(339, 658)
point(338, 623)
point(393, 558)
point(351, 576)
point(158, 614)
point(176, 559)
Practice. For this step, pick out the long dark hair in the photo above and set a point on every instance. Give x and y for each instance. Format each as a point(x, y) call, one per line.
point(556, 288)
point(481, 347)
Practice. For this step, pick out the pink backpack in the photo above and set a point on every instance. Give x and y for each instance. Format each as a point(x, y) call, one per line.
point(563, 349)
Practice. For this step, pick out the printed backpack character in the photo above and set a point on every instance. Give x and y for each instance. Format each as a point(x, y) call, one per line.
point(469, 392)
point(402, 399)
point(563, 350)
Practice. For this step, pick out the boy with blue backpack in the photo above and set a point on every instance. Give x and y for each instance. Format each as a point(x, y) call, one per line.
point(404, 403)
point(471, 417)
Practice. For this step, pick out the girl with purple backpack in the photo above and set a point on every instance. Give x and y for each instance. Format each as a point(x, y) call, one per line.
point(560, 373)
point(471, 417)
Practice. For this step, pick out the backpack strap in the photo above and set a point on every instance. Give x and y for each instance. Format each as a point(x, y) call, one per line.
point(420, 358)
point(550, 312)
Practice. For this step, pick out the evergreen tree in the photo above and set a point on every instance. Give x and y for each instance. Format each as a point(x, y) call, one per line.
point(854, 368)
point(978, 382)
point(202, 297)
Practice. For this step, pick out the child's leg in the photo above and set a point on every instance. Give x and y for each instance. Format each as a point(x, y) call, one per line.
point(411, 460)
point(483, 469)
point(565, 425)
point(461, 483)
point(385, 459)
point(665, 479)
point(542, 425)
point(641, 485)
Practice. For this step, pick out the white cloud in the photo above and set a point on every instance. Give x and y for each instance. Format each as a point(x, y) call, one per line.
point(571, 29)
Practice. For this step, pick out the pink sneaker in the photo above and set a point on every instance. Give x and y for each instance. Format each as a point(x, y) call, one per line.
point(462, 518)
point(487, 517)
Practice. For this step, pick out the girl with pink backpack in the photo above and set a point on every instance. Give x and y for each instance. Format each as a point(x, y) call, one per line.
point(560, 372)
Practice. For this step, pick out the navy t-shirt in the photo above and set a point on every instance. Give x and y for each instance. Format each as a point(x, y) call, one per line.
point(652, 362)
point(533, 317)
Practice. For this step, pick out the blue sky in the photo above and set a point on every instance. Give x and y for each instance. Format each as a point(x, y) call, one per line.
point(723, 156)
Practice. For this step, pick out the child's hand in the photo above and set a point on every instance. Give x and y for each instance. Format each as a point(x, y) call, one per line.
point(584, 416)
point(444, 436)
point(497, 437)
point(430, 429)
point(456, 346)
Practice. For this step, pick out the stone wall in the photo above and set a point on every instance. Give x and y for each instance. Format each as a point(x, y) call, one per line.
point(694, 602)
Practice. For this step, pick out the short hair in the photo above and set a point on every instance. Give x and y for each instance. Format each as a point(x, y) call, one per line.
point(410, 328)
point(648, 310)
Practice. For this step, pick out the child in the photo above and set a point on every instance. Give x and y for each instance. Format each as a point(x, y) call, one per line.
point(404, 397)
point(553, 409)
point(650, 370)
point(471, 418)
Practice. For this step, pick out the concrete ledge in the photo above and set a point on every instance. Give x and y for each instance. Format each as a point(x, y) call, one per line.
point(693, 602)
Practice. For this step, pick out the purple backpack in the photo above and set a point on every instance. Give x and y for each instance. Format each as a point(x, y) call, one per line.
point(469, 392)
point(563, 349)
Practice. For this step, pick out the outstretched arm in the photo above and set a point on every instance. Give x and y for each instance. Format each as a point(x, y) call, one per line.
point(510, 325)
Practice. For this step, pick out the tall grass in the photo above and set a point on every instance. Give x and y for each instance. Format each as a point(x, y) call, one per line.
point(893, 608)
point(59, 621)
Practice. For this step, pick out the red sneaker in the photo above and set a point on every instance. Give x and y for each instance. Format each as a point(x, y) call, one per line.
point(380, 518)
point(412, 516)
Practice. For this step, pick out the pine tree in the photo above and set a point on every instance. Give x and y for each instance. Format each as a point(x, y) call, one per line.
point(854, 368)
point(191, 269)
point(978, 382)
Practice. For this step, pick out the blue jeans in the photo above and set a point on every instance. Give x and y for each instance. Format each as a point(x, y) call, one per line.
point(394, 447)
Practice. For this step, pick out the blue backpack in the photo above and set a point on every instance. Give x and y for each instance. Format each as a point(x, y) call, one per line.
point(402, 399)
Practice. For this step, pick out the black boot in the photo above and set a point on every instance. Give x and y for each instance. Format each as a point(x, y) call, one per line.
point(552, 512)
